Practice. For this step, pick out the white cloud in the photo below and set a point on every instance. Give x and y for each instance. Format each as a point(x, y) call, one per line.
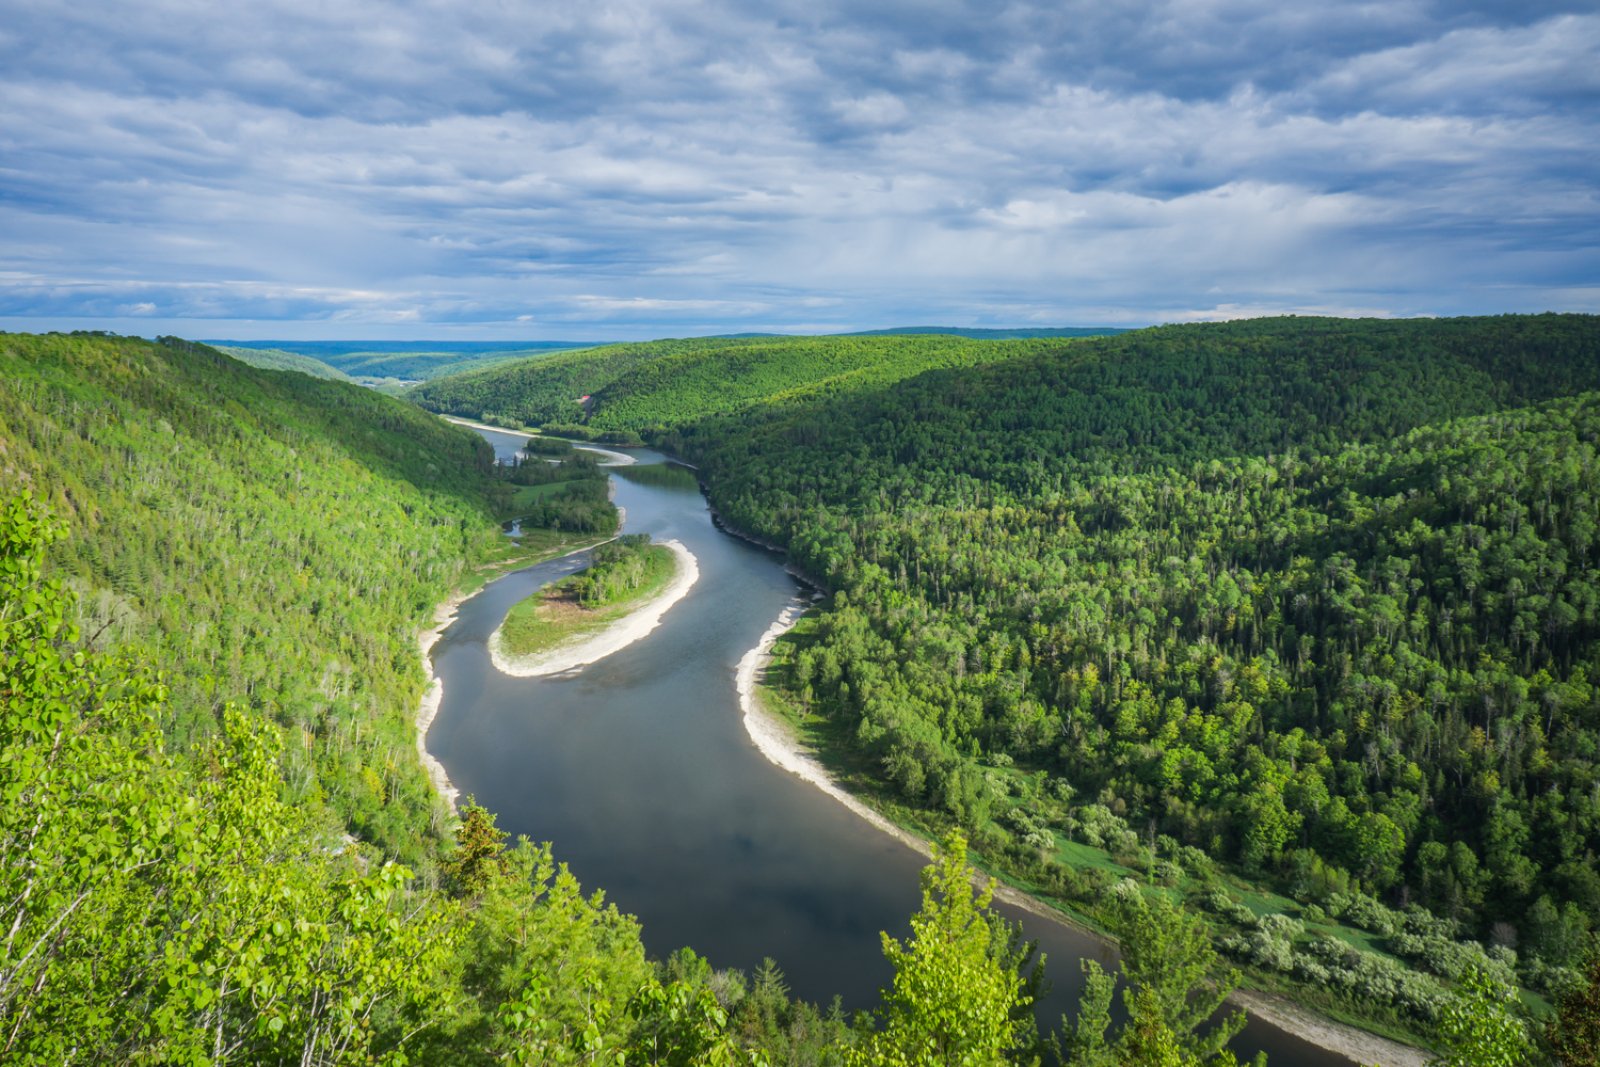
point(723, 162)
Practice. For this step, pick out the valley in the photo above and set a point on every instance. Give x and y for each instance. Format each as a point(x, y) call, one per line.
point(1268, 642)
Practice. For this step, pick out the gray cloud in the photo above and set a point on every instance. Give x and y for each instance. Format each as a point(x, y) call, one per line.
point(637, 168)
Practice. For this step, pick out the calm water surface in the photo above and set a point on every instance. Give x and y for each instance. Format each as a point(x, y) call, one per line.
point(639, 770)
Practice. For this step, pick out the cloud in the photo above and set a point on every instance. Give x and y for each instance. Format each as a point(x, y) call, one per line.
point(731, 165)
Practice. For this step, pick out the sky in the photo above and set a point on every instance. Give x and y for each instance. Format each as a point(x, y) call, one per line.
point(504, 169)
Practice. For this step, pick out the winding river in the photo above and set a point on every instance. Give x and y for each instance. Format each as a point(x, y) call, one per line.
point(638, 768)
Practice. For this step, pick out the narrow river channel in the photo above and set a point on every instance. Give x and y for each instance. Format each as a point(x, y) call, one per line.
point(639, 770)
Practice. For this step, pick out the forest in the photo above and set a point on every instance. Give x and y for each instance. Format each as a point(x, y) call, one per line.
point(1206, 582)
point(627, 390)
point(1302, 605)
point(1297, 606)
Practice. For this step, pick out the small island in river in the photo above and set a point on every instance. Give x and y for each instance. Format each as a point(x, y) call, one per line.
point(614, 602)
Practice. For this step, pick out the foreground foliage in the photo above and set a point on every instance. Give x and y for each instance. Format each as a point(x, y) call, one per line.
point(955, 999)
point(156, 916)
point(1174, 987)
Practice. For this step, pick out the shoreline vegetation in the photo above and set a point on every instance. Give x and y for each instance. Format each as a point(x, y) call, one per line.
point(557, 634)
point(777, 738)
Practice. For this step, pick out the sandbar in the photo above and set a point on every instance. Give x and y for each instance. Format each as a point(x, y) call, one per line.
point(589, 648)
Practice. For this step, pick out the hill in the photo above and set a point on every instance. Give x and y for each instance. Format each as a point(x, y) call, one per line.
point(980, 333)
point(215, 509)
point(1311, 598)
point(278, 359)
point(636, 387)
point(396, 362)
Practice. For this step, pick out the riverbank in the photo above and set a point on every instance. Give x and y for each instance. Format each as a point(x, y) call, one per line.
point(612, 458)
point(615, 636)
point(443, 615)
point(433, 696)
point(776, 740)
point(732, 530)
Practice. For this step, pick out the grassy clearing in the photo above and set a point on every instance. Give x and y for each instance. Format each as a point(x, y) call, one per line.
point(561, 612)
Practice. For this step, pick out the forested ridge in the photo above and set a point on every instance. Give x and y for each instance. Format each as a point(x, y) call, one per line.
point(279, 359)
point(1193, 584)
point(263, 538)
point(374, 361)
point(643, 388)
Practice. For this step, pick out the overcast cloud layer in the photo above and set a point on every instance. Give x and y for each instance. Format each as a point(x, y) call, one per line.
point(305, 168)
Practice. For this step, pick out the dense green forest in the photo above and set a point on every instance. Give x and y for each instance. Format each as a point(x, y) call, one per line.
point(1312, 602)
point(278, 359)
point(263, 538)
point(1204, 581)
point(643, 388)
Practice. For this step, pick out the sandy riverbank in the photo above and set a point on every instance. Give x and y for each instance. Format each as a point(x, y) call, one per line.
point(443, 616)
point(776, 741)
point(614, 638)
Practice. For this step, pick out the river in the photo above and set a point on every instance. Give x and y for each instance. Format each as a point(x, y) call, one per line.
point(639, 770)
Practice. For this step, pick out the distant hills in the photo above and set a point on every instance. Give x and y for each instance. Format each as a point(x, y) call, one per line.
point(278, 359)
point(389, 365)
point(997, 335)
point(331, 350)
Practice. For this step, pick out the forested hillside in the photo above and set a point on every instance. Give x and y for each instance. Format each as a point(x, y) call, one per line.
point(648, 387)
point(1206, 587)
point(278, 359)
point(263, 538)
